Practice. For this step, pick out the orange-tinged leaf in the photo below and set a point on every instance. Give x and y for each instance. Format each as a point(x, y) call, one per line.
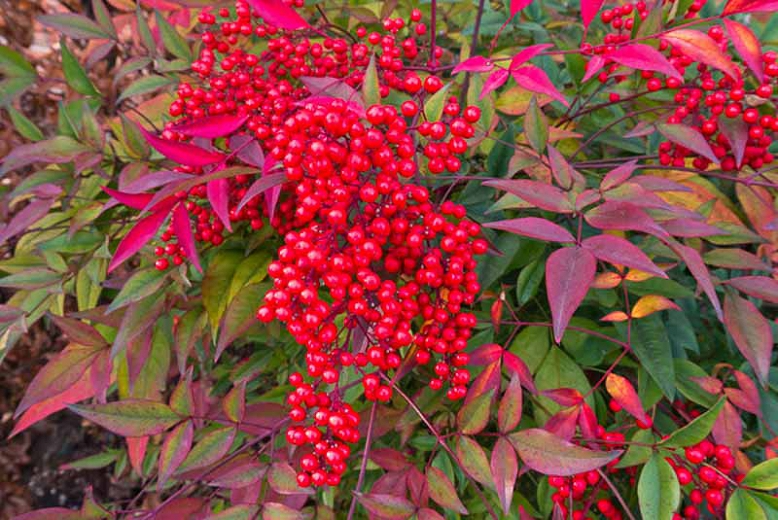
point(443, 492)
point(136, 452)
point(505, 468)
point(622, 391)
point(546, 453)
point(615, 316)
point(747, 45)
point(652, 303)
point(636, 275)
point(750, 6)
point(701, 47)
point(509, 413)
point(752, 333)
point(607, 280)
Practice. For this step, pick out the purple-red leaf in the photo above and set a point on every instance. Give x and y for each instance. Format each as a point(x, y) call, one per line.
point(509, 412)
point(130, 417)
point(735, 130)
point(174, 450)
point(132, 200)
point(143, 231)
point(546, 453)
point(593, 66)
point(539, 194)
point(518, 5)
point(473, 459)
point(728, 428)
point(218, 191)
point(688, 228)
point(212, 127)
point(79, 332)
point(639, 56)
point(182, 153)
point(505, 468)
point(752, 333)
point(697, 267)
point(569, 273)
point(618, 175)
point(700, 47)
point(623, 216)
point(278, 14)
point(527, 53)
point(443, 492)
point(747, 45)
point(533, 227)
point(389, 507)
point(688, 138)
point(182, 227)
point(762, 287)
point(589, 10)
point(21, 221)
point(536, 80)
point(261, 185)
point(495, 80)
point(515, 364)
point(620, 251)
point(474, 64)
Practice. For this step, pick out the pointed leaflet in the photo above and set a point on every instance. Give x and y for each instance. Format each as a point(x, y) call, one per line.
point(527, 53)
point(728, 428)
point(30, 214)
point(701, 47)
point(659, 493)
point(261, 185)
point(474, 64)
point(752, 333)
point(271, 195)
point(130, 417)
point(750, 6)
point(735, 130)
point(174, 450)
point(495, 80)
point(533, 227)
point(546, 453)
point(509, 412)
point(219, 197)
point(212, 447)
point(182, 227)
point(539, 194)
point(371, 90)
point(79, 332)
point(697, 267)
point(133, 200)
point(504, 468)
point(685, 227)
point(747, 396)
point(474, 415)
point(652, 303)
point(747, 45)
point(443, 492)
point(689, 138)
point(622, 391)
point(182, 153)
point(569, 273)
point(618, 175)
point(518, 5)
point(212, 127)
point(623, 216)
point(536, 126)
point(644, 57)
point(762, 287)
point(589, 10)
point(278, 14)
point(143, 231)
point(696, 430)
point(619, 251)
point(535, 79)
point(473, 459)
point(593, 66)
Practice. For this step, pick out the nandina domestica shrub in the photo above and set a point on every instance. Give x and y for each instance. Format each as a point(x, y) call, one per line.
point(386, 261)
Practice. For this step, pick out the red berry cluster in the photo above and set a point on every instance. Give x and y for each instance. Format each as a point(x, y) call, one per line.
point(704, 472)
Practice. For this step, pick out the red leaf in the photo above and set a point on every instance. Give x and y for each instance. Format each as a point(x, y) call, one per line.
point(136, 451)
point(546, 453)
point(593, 66)
point(509, 412)
point(143, 231)
point(212, 127)
point(80, 390)
point(540, 194)
point(562, 423)
point(701, 47)
point(473, 459)
point(180, 509)
point(688, 228)
point(516, 365)
point(620, 251)
point(728, 428)
point(688, 138)
point(735, 130)
point(622, 391)
point(750, 6)
point(639, 56)
point(564, 396)
point(182, 153)
point(527, 53)
point(762, 287)
point(219, 197)
point(271, 195)
point(261, 185)
point(505, 468)
point(174, 450)
point(747, 45)
point(533, 227)
point(587, 420)
point(535, 79)
point(132, 200)
point(389, 459)
point(569, 273)
point(589, 10)
point(697, 267)
point(183, 230)
point(58, 375)
point(79, 332)
point(486, 354)
point(518, 5)
point(623, 216)
point(618, 175)
point(278, 14)
point(747, 398)
point(443, 492)
point(495, 80)
point(752, 333)
point(474, 64)
point(709, 384)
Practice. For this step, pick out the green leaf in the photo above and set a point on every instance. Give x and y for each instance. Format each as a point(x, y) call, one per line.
point(474, 460)
point(370, 88)
point(212, 447)
point(14, 64)
point(278, 511)
point(509, 412)
point(173, 41)
point(529, 281)
point(696, 430)
point(659, 493)
point(144, 85)
point(140, 285)
point(130, 417)
point(638, 453)
point(763, 476)
point(240, 315)
point(34, 278)
point(24, 126)
point(145, 31)
point(536, 126)
point(74, 25)
point(97, 461)
point(12, 87)
point(742, 506)
point(433, 107)
point(474, 415)
point(174, 450)
point(242, 512)
point(216, 284)
point(389, 507)
point(283, 480)
point(75, 74)
point(443, 492)
point(652, 347)
point(103, 17)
